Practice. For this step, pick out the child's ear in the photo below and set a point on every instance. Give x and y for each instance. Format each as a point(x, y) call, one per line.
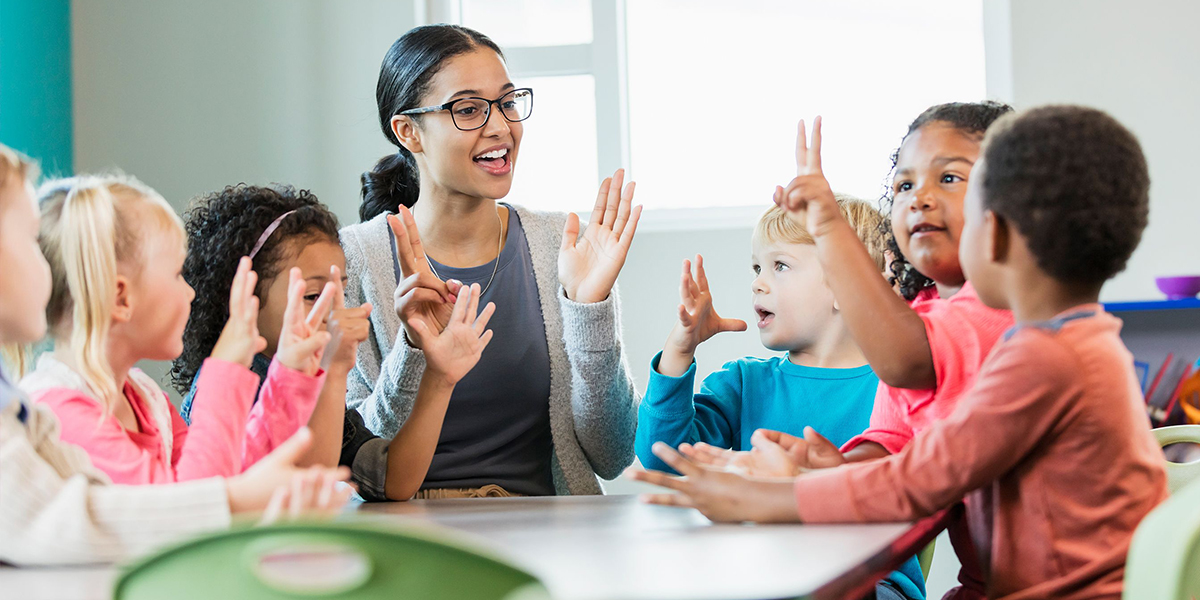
point(407, 133)
point(999, 233)
point(123, 304)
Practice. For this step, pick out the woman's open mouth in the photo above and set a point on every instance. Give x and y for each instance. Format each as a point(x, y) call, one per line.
point(494, 162)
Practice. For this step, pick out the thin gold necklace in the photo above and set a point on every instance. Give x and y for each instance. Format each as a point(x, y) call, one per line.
point(499, 245)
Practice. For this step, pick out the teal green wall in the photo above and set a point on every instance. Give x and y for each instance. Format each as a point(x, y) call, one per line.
point(35, 81)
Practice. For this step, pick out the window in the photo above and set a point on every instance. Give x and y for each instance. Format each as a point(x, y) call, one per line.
point(716, 89)
point(704, 110)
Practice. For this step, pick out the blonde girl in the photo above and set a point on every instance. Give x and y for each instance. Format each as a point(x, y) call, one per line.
point(116, 251)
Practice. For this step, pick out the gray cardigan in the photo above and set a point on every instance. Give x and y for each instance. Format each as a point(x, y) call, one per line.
point(593, 402)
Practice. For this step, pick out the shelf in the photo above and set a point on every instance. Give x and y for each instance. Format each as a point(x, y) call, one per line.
point(1145, 305)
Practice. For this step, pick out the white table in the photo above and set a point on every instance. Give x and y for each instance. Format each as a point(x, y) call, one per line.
point(607, 547)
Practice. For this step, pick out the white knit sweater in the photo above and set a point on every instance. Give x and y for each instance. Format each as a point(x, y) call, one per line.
point(57, 509)
point(593, 402)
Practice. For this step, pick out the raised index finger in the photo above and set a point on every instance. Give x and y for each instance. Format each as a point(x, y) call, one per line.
point(814, 152)
point(801, 148)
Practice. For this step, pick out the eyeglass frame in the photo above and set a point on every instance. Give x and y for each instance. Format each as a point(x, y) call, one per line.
point(488, 103)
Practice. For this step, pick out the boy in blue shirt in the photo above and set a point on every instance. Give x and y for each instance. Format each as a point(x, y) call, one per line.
point(823, 381)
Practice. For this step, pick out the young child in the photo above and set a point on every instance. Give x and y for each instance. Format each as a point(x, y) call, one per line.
point(288, 231)
point(116, 249)
point(56, 508)
point(822, 381)
point(1056, 205)
point(926, 350)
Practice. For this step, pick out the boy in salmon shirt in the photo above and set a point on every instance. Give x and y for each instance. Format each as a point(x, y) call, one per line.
point(1051, 443)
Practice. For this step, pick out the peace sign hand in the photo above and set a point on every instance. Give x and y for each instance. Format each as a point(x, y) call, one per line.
point(303, 338)
point(451, 353)
point(808, 198)
point(420, 295)
point(588, 266)
point(349, 325)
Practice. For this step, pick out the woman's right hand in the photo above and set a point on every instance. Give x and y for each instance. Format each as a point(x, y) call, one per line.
point(420, 295)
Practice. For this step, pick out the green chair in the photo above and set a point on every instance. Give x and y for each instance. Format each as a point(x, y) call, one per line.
point(925, 558)
point(1164, 557)
point(353, 560)
point(1179, 474)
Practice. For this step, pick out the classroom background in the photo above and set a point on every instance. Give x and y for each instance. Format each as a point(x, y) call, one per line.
point(190, 96)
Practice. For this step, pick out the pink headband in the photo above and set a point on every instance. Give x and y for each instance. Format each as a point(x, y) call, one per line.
point(262, 239)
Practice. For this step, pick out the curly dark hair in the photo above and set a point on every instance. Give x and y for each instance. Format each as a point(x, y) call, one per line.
point(1075, 183)
point(972, 118)
point(222, 227)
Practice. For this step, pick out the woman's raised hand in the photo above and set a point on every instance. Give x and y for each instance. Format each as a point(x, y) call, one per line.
point(420, 295)
point(454, 351)
point(588, 265)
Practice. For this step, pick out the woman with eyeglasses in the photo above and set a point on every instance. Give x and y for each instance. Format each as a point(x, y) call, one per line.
point(550, 405)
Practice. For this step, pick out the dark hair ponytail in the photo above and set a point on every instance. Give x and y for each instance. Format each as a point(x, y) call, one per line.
point(969, 117)
point(404, 77)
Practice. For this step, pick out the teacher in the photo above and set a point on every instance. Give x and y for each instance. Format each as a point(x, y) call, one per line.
point(550, 405)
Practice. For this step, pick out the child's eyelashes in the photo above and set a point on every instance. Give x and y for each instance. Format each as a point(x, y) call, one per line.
point(952, 178)
point(903, 186)
point(781, 267)
point(757, 269)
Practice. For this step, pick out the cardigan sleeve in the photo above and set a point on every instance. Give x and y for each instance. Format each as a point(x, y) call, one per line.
point(604, 400)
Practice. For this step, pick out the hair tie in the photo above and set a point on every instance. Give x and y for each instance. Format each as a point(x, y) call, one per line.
point(262, 239)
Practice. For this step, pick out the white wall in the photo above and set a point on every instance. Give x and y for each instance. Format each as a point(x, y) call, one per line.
point(193, 96)
point(1139, 62)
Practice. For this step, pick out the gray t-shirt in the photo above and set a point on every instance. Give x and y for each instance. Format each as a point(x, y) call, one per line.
point(497, 426)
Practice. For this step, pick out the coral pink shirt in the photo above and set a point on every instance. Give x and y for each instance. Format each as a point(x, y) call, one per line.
point(1054, 437)
point(226, 435)
point(961, 332)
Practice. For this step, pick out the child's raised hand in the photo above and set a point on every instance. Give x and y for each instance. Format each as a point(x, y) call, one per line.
point(302, 339)
point(349, 325)
point(453, 352)
point(420, 295)
point(698, 319)
point(808, 198)
point(239, 340)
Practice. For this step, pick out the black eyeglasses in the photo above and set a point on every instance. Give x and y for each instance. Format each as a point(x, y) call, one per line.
point(472, 113)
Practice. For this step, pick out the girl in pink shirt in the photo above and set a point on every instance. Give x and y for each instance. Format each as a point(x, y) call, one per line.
point(116, 249)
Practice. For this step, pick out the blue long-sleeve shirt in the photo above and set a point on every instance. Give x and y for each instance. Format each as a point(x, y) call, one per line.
point(760, 393)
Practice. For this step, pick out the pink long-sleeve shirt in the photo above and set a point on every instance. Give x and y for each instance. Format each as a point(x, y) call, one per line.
point(961, 332)
point(1054, 437)
point(229, 431)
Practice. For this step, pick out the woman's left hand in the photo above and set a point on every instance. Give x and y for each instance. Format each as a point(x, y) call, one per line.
point(588, 266)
